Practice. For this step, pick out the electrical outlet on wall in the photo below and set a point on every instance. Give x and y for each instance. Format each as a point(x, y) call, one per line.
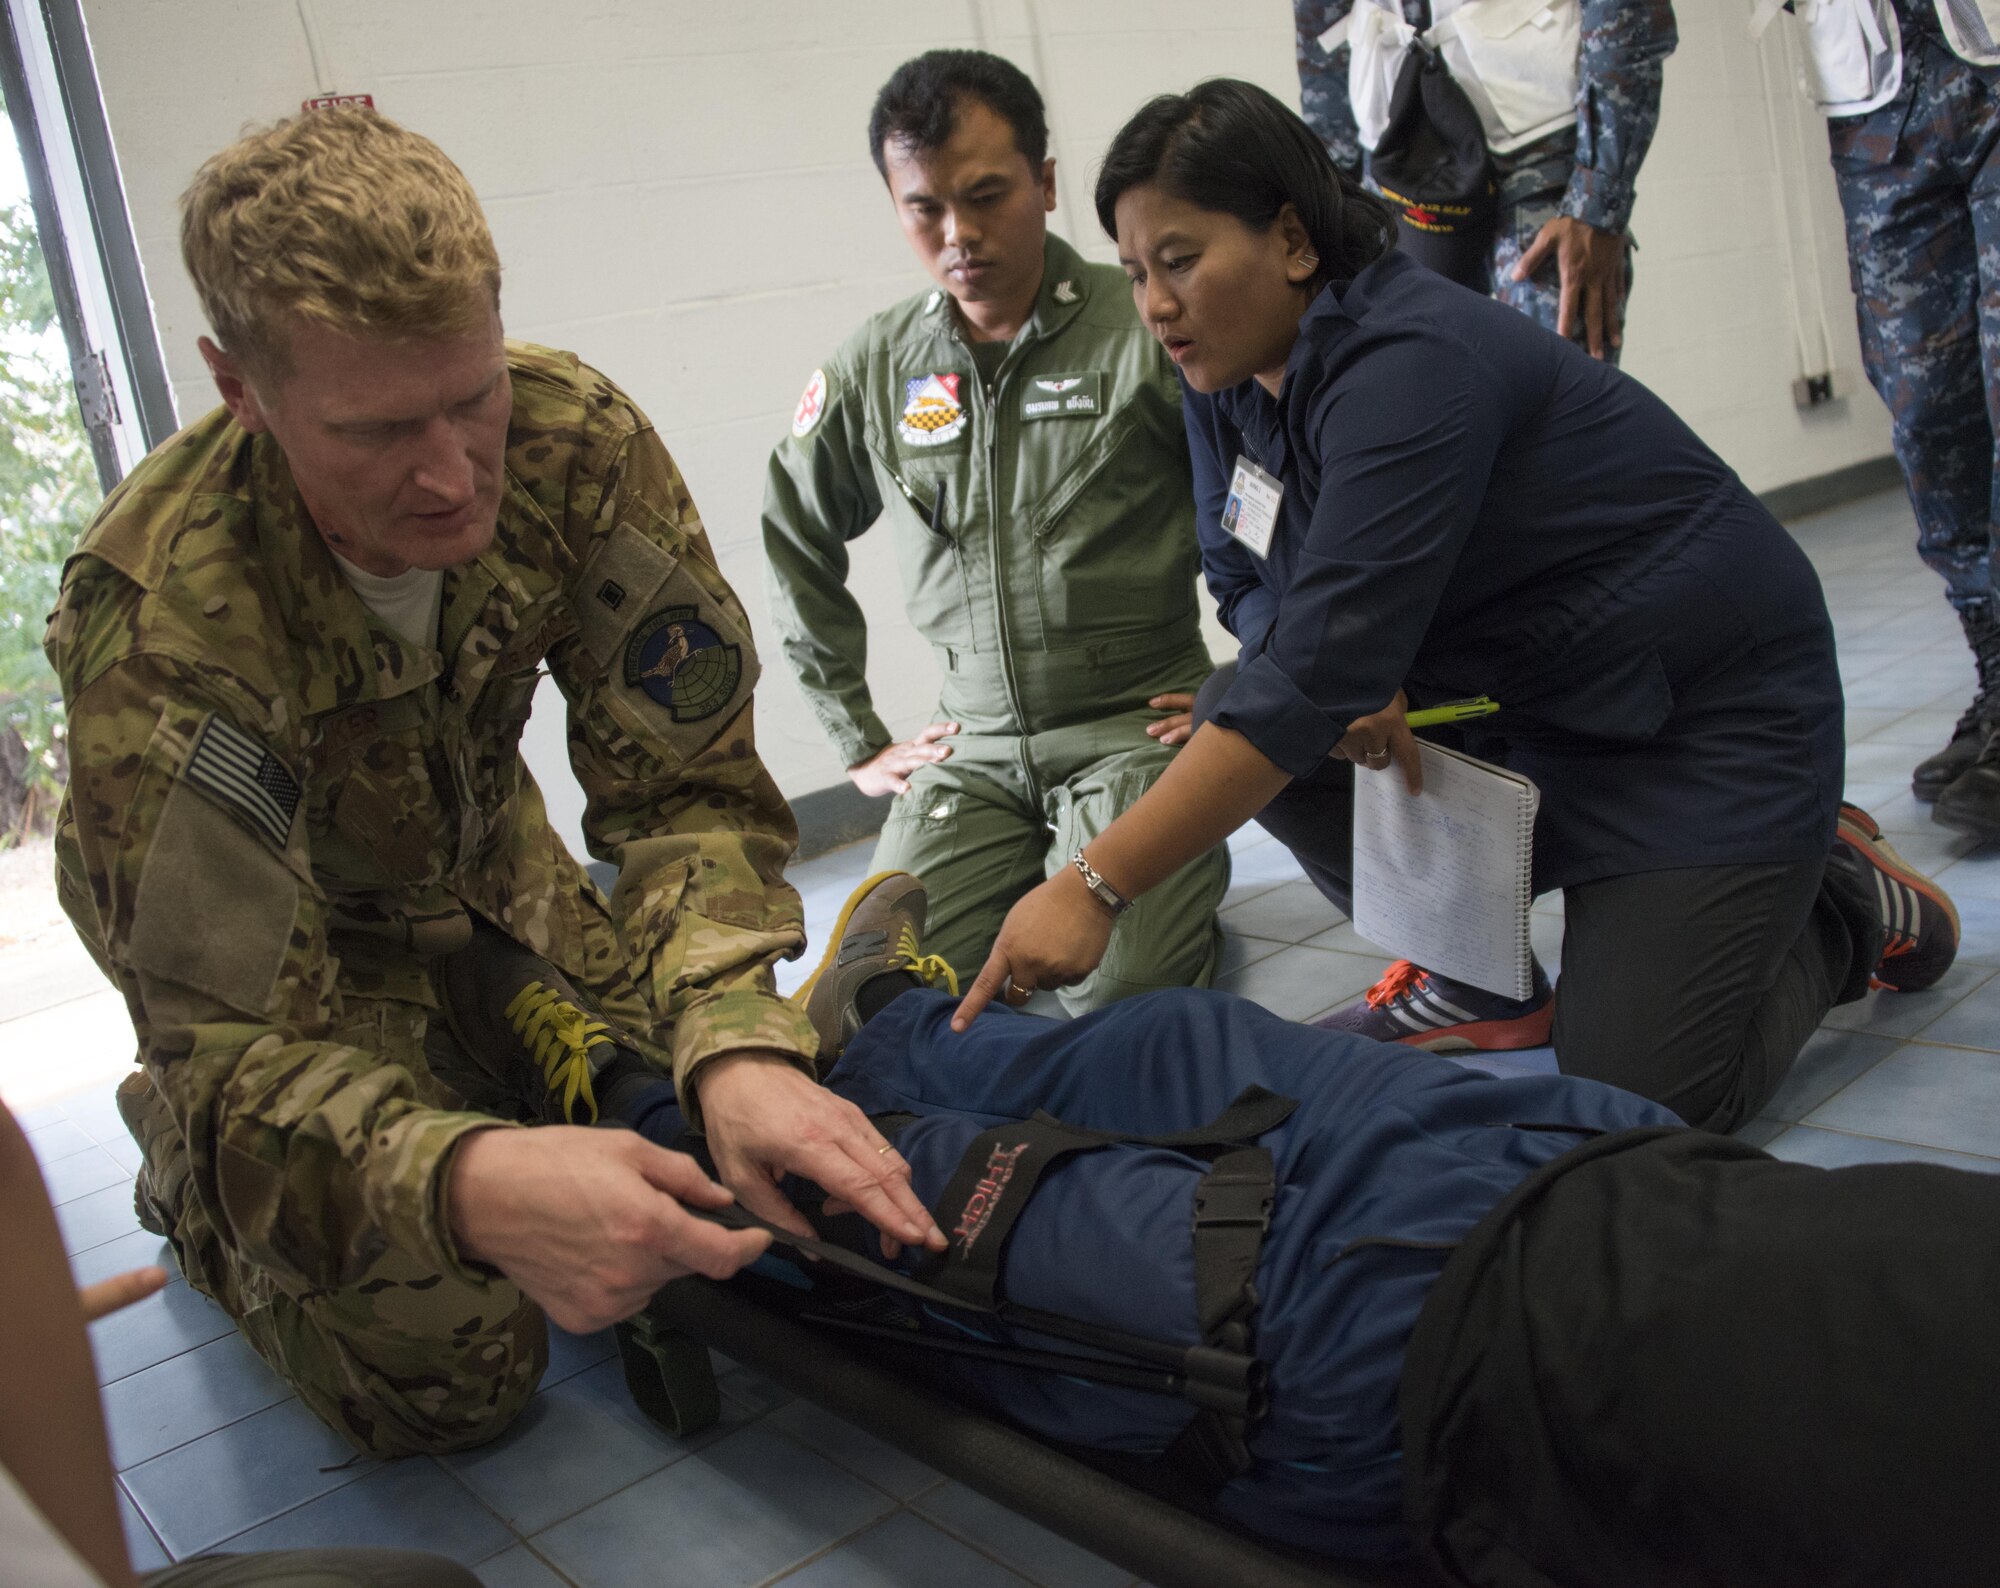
point(1810, 391)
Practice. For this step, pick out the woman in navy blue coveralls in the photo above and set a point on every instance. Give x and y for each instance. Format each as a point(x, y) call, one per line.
point(1473, 506)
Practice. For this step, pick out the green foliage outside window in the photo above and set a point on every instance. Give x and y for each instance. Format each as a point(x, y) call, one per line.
point(48, 490)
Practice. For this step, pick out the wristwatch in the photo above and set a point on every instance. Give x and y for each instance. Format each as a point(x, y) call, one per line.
point(1108, 896)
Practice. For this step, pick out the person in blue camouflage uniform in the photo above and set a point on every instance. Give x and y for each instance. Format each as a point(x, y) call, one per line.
point(1920, 184)
point(1565, 201)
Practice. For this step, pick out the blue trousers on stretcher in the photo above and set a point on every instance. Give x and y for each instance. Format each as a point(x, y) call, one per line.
point(1391, 1157)
point(1523, 1324)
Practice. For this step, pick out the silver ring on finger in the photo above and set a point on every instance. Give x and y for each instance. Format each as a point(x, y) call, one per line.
point(1377, 758)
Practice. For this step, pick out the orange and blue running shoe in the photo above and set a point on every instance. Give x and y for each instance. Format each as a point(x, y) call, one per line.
point(1422, 1009)
point(1919, 921)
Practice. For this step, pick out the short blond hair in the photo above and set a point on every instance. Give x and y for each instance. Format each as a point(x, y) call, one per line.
point(341, 217)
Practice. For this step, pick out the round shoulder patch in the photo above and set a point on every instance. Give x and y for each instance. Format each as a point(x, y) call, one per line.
point(812, 403)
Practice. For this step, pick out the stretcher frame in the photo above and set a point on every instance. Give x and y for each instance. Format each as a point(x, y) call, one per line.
point(1117, 1507)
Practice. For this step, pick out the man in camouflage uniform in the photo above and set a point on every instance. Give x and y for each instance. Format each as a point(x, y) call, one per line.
point(1561, 250)
point(1919, 183)
point(292, 801)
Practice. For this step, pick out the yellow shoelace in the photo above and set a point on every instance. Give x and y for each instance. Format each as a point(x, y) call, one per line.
point(560, 1035)
point(927, 968)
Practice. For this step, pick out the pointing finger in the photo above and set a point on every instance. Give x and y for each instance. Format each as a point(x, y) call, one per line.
point(120, 1290)
point(984, 989)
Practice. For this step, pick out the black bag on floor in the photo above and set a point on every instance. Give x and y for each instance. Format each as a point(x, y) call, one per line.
point(1432, 164)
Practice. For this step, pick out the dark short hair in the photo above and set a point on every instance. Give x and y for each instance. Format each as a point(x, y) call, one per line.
point(1228, 145)
point(919, 104)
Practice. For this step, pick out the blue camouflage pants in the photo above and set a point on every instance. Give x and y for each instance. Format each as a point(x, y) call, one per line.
point(1920, 186)
point(1540, 296)
point(1531, 181)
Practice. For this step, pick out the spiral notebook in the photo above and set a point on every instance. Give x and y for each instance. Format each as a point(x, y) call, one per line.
point(1444, 877)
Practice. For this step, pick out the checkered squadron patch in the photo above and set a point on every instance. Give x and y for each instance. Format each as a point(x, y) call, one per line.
point(932, 414)
point(246, 777)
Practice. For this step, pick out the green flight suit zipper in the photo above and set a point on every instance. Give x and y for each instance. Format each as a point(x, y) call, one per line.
point(1003, 630)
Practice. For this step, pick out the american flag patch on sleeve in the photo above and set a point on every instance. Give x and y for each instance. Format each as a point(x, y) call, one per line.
point(246, 777)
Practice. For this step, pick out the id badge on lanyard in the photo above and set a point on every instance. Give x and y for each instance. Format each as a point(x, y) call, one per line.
point(1251, 513)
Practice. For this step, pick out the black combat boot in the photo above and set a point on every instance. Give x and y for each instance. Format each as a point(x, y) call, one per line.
point(1970, 802)
point(1969, 738)
point(543, 1043)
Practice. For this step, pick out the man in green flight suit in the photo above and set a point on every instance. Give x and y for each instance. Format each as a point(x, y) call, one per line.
point(1022, 433)
point(299, 645)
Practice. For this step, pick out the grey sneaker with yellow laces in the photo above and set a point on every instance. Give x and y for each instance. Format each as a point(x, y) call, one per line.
point(877, 939)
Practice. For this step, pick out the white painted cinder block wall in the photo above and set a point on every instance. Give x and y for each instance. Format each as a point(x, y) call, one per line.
point(681, 192)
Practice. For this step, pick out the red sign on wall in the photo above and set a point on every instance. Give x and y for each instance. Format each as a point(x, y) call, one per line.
point(336, 101)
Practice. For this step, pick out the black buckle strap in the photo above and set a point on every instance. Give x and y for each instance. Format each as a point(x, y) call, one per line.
point(986, 1196)
point(989, 1190)
point(1232, 1213)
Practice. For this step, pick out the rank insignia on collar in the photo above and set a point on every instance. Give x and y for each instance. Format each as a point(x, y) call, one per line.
point(683, 664)
point(1065, 292)
point(932, 413)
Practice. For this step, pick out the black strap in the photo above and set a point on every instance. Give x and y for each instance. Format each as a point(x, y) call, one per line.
point(1250, 1113)
point(1232, 1213)
point(1211, 1378)
point(985, 1198)
point(989, 1190)
point(736, 1217)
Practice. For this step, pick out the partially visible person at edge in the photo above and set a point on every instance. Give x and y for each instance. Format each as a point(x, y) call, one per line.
point(1568, 97)
point(59, 1524)
point(298, 647)
point(1018, 433)
point(1911, 89)
point(1473, 506)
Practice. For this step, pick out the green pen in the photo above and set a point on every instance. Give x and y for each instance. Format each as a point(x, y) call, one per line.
point(1453, 711)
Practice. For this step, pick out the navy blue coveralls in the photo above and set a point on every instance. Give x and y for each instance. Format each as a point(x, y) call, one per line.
point(1390, 1160)
point(1514, 1320)
point(1473, 506)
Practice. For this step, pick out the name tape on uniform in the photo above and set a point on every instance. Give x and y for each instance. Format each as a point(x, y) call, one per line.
point(1079, 395)
point(1251, 513)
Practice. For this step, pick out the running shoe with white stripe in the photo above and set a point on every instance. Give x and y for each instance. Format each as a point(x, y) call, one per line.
point(1919, 921)
point(1422, 1009)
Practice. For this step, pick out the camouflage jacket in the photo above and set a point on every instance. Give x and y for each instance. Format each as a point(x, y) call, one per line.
point(1595, 163)
point(278, 808)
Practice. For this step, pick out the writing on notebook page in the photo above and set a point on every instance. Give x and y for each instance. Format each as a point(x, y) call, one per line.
point(1445, 877)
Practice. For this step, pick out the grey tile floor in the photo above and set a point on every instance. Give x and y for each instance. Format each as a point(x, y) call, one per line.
point(213, 1450)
